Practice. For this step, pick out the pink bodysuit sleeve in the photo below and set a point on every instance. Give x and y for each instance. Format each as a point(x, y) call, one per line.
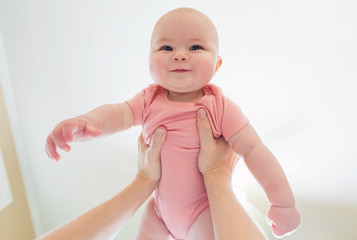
point(140, 101)
point(233, 120)
point(226, 117)
point(137, 105)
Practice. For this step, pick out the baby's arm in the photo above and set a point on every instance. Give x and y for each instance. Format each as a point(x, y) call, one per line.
point(106, 119)
point(110, 118)
point(266, 169)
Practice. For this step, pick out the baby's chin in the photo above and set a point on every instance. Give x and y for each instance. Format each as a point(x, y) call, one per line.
point(183, 88)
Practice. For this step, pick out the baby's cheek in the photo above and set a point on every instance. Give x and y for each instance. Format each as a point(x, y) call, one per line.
point(207, 71)
point(155, 68)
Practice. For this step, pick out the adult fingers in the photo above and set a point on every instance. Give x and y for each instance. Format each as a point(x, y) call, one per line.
point(141, 144)
point(204, 128)
point(158, 139)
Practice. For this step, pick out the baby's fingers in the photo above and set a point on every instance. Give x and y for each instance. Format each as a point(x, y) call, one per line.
point(51, 149)
point(278, 231)
point(67, 134)
point(284, 220)
point(61, 136)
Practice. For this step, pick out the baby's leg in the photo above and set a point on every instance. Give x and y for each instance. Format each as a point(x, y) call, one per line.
point(151, 227)
point(202, 227)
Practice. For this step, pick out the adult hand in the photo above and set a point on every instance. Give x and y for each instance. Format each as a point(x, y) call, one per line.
point(216, 161)
point(216, 155)
point(105, 220)
point(149, 156)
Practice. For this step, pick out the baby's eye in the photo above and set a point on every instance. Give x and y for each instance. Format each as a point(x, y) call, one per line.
point(196, 47)
point(166, 48)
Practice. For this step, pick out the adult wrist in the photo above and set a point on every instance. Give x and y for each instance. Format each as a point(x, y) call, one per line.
point(221, 174)
point(142, 178)
point(217, 179)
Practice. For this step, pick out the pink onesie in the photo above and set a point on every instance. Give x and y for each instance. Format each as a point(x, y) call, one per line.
point(181, 194)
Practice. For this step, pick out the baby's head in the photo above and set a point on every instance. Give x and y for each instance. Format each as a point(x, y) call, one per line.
point(184, 51)
point(188, 16)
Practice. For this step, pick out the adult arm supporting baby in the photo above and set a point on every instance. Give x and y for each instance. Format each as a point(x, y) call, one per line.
point(216, 162)
point(107, 219)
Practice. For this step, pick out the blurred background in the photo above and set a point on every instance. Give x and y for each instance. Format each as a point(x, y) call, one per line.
point(290, 65)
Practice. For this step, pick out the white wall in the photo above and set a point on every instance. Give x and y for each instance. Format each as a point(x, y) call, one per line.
point(291, 66)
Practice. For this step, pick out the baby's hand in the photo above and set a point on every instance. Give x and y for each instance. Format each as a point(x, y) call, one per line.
point(284, 220)
point(78, 129)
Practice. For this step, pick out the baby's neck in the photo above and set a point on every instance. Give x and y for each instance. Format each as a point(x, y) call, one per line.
point(185, 97)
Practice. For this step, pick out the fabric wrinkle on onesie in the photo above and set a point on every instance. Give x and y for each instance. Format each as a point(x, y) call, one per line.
point(181, 195)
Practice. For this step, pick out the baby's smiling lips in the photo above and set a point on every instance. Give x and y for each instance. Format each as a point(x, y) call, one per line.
point(180, 70)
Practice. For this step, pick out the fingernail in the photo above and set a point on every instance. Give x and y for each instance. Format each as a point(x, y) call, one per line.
point(201, 113)
point(160, 132)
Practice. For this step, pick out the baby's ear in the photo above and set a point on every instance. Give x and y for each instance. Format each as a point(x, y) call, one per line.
point(218, 63)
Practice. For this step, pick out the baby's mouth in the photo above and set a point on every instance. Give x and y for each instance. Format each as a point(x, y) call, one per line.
point(180, 70)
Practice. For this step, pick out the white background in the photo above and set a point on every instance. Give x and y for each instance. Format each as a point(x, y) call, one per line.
point(290, 65)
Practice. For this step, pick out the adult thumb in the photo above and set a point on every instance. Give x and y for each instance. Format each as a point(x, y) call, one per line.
point(158, 139)
point(204, 127)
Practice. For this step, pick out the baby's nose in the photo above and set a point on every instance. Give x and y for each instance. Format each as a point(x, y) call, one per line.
point(180, 57)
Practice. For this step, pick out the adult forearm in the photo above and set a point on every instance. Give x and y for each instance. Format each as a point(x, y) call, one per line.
point(270, 175)
point(230, 220)
point(105, 221)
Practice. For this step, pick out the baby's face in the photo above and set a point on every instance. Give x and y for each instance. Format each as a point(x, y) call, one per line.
point(184, 52)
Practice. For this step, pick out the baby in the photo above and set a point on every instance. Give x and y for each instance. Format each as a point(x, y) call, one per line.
point(183, 60)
